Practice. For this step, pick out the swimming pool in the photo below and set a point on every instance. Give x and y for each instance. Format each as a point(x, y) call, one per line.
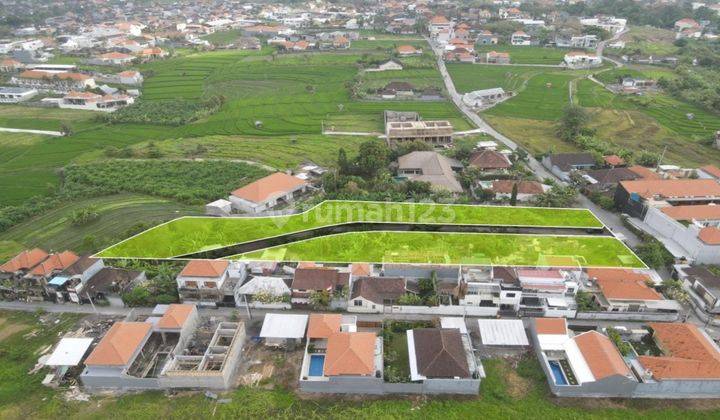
point(317, 361)
point(557, 373)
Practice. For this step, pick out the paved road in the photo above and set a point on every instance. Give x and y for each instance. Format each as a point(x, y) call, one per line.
point(611, 220)
point(533, 164)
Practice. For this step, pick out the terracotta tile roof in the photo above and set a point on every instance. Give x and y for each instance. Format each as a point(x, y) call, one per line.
point(36, 74)
point(548, 274)
point(205, 268)
point(55, 262)
point(119, 344)
point(83, 95)
point(614, 160)
point(490, 159)
point(645, 173)
point(505, 186)
point(498, 54)
point(556, 326)
point(623, 284)
point(306, 264)
point(360, 269)
point(601, 355)
point(710, 235)
point(700, 212)
point(271, 186)
point(319, 278)
point(128, 73)
point(350, 354)
point(440, 353)
point(24, 261)
point(689, 354)
point(673, 188)
point(323, 325)
point(378, 289)
point(711, 170)
point(439, 20)
point(175, 316)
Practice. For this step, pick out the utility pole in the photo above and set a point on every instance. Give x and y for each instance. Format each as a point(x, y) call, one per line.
point(662, 156)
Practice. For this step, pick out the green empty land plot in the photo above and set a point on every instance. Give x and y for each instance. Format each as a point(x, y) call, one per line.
point(195, 234)
point(520, 54)
point(470, 77)
point(454, 248)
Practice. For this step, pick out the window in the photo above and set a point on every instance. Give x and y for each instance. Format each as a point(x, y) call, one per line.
point(191, 284)
point(210, 284)
point(510, 295)
point(357, 302)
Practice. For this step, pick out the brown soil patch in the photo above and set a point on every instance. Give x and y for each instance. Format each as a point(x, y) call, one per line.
point(6, 330)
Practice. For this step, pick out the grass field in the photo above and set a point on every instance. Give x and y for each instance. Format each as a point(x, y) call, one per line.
point(526, 54)
point(543, 98)
point(281, 152)
point(54, 229)
point(473, 77)
point(453, 248)
point(537, 136)
point(649, 40)
point(421, 78)
point(188, 235)
point(50, 119)
point(509, 390)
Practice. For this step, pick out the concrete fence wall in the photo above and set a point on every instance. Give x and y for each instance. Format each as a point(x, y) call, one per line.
point(629, 316)
point(376, 386)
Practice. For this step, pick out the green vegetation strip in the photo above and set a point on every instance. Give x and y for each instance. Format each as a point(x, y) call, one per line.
point(455, 248)
point(188, 235)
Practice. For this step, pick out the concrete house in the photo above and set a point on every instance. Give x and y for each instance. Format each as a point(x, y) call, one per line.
point(520, 38)
point(390, 65)
point(584, 365)
point(14, 95)
point(703, 285)
point(33, 285)
point(318, 279)
point(486, 38)
point(89, 101)
point(375, 294)
point(495, 289)
point(619, 290)
point(107, 285)
point(490, 161)
point(112, 59)
point(494, 57)
point(582, 60)
point(407, 50)
point(562, 164)
point(503, 188)
point(484, 97)
point(264, 292)
point(427, 166)
point(437, 133)
point(682, 213)
point(203, 281)
point(61, 287)
point(267, 192)
point(345, 362)
point(443, 360)
point(155, 353)
point(45, 81)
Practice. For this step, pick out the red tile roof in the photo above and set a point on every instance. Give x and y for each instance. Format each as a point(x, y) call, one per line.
point(689, 354)
point(24, 261)
point(673, 188)
point(119, 344)
point(601, 355)
point(623, 284)
point(645, 173)
point(490, 159)
point(205, 268)
point(274, 185)
point(36, 74)
point(175, 316)
point(711, 170)
point(710, 235)
point(701, 212)
point(55, 262)
point(555, 326)
point(350, 354)
point(614, 160)
point(323, 325)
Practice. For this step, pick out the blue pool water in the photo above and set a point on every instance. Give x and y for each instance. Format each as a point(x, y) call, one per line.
point(317, 361)
point(557, 373)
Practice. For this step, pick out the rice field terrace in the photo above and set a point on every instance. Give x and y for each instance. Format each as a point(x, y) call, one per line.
point(195, 234)
point(454, 248)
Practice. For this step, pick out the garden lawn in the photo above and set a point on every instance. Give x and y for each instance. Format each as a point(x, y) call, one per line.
point(454, 249)
point(526, 54)
point(118, 215)
point(189, 235)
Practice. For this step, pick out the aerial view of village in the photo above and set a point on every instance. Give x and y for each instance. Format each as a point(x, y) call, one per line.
point(502, 209)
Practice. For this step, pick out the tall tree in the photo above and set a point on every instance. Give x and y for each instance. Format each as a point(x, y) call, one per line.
point(572, 122)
